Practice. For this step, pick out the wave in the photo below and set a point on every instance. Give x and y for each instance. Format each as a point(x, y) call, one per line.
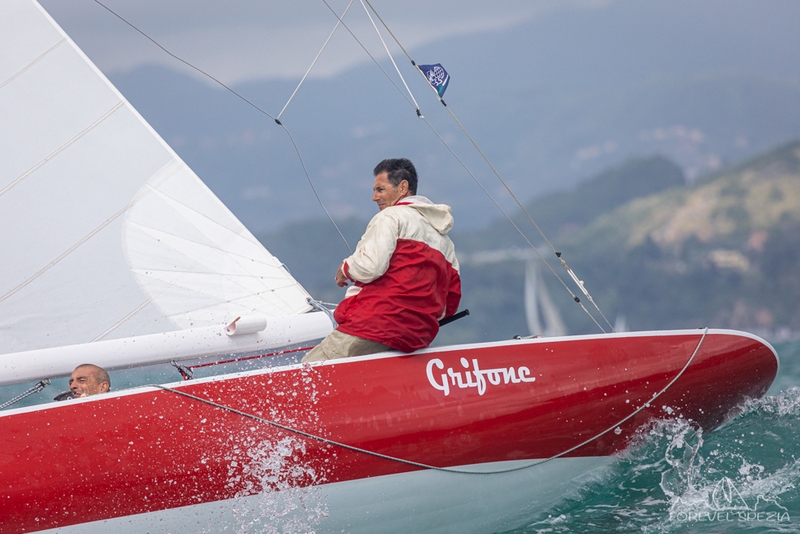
point(743, 477)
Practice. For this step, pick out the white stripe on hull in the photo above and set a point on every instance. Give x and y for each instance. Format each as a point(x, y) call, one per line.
point(422, 501)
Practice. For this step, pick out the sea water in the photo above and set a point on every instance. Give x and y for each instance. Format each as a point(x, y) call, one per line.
point(742, 477)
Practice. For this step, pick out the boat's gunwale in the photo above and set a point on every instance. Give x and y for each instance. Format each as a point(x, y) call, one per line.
point(385, 355)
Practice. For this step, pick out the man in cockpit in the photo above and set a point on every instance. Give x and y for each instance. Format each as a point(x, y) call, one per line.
point(404, 272)
point(86, 379)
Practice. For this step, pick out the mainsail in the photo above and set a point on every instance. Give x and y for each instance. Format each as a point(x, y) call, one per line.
point(106, 233)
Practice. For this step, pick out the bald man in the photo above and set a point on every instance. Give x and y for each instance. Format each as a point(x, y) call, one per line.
point(88, 379)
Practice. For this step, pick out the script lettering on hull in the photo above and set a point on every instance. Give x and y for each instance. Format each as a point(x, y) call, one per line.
point(474, 378)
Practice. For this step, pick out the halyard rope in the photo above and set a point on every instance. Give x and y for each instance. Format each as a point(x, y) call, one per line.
point(35, 389)
point(433, 467)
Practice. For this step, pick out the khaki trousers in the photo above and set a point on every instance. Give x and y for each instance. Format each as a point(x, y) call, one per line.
point(340, 345)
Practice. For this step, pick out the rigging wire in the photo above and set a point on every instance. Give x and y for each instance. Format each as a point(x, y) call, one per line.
point(558, 254)
point(517, 228)
point(198, 69)
point(315, 60)
point(416, 105)
point(311, 183)
point(250, 103)
point(364, 48)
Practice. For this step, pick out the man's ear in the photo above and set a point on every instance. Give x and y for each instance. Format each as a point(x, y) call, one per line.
point(104, 386)
point(403, 187)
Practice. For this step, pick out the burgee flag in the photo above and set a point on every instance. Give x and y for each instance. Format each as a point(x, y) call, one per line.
point(437, 77)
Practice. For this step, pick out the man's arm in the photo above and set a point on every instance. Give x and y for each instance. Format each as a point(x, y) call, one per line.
point(373, 252)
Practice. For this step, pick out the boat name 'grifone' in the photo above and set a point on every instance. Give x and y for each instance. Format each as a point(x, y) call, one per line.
point(475, 377)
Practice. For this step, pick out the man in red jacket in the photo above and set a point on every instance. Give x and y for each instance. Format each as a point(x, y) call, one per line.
point(405, 273)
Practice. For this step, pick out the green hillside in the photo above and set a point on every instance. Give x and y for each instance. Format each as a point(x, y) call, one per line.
point(635, 178)
point(564, 212)
point(723, 252)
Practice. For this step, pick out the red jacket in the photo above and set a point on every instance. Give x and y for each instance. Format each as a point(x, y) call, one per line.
point(406, 276)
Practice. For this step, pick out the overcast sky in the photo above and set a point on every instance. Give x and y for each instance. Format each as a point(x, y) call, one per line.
point(586, 85)
point(237, 40)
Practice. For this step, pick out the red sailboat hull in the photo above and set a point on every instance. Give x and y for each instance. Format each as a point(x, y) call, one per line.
point(148, 451)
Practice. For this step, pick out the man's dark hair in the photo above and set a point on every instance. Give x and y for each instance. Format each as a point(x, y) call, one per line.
point(398, 169)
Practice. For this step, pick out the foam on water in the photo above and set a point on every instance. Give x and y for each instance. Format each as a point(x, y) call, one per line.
point(280, 494)
point(743, 477)
point(287, 505)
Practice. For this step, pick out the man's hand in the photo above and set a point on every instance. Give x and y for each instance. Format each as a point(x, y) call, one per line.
point(341, 279)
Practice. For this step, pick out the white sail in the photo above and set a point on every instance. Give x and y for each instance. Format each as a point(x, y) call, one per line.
point(106, 233)
point(542, 315)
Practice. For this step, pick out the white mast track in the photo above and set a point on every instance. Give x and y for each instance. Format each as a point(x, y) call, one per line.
point(160, 348)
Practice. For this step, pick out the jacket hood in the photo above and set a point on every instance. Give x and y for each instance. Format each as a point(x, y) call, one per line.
point(438, 215)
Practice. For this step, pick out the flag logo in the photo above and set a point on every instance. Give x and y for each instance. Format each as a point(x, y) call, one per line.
point(437, 77)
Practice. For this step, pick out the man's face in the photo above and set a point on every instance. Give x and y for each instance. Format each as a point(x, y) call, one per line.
point(84, 382)
point(385, 194)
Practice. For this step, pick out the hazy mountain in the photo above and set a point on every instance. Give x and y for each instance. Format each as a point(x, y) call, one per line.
point(723, 252)
point(560, 213)
point(551, 102)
